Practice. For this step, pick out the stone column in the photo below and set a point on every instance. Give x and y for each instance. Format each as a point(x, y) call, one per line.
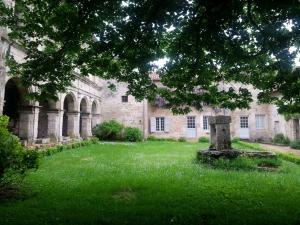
point(54, 131)
point(28, 126)
point(1, 105)
point(86, 127)
point(220, 132)
point(145, 119)
point(3, 49)
point(73, 124)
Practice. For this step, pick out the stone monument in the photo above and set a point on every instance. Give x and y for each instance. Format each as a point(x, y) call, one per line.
point(220, 142)
point(220, 132)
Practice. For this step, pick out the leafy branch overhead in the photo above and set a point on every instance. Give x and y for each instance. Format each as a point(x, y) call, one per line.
point(210, 46)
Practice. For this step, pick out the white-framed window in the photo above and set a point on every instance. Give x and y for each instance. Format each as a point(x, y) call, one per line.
point(260, 121)
point(160, 123)
point(205, 123)
point(191, 122)
point(244, 122)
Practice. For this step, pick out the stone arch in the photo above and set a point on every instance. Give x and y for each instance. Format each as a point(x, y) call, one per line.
point(69, 120)
point(43, 119)
point(14, 102)
point(84, 119)
point(95, 113)
point(84, 106)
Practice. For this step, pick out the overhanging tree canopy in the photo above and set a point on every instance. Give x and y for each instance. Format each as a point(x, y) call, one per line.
point(207, 43)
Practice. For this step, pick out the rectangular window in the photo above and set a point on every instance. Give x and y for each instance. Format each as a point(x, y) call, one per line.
point(191, 122)
point(244, 121)
point(124, 98)
point(160, 124)
point(260, 121)
point(205, 123)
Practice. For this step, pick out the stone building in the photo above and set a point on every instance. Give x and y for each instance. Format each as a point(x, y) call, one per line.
point(88, 101)
point(260, 122)
point(72, 116)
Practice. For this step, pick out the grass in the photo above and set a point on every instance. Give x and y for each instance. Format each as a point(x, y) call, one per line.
point(151, 183)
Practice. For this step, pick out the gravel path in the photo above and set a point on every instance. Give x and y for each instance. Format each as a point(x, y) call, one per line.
point(282, 149)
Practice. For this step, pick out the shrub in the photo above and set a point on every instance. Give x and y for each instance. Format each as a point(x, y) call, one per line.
point(132, 134)
point(295, 144)
point(281, 139)
point(30, 159)
point(13, 157)
point(109, 130)
point(203, 139)
point(182, 139)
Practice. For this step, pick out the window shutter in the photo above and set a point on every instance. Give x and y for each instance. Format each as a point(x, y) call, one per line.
point(152, 124)
point(167, 125)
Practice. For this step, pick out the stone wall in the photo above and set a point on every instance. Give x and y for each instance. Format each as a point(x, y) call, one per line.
point(131, 113)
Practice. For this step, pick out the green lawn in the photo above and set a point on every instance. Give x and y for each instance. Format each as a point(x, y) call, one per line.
point(151, 183)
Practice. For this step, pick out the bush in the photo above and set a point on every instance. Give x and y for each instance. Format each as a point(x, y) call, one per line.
point(182, 139)
point(13, 157)
point(109, 131)
point(295, 144)
point(30, 159)
point(203, 139)
point(281, 139)
point(132, 134)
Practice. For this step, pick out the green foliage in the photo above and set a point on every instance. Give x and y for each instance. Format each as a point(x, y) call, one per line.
point(290, 157)
point(203, 140)
point(109, 130)
point(288, 116)
point(153, 138)
point(247, 146)
point(244, 163)
point(133, 134)
point(59, 148)
point(14, 159)
point(281, 139)
point(235, 140)
point(182, 139)
point(295, 144)
point(30, 159)
point(125, 178)
point(231, 38)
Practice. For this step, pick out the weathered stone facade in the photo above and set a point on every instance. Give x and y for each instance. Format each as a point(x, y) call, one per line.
point(260, 122)
point(73, 115)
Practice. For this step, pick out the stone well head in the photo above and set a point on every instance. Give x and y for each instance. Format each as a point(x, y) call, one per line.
point(220, 132)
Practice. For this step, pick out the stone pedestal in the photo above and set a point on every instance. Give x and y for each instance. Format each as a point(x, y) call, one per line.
point(73, 124)
point(54, 126)
point(1, 105)
point(221, 144)
point(220, 132)
point(86, 130)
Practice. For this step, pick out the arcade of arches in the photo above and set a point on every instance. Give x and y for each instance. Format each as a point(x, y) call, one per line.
point(71, 117)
